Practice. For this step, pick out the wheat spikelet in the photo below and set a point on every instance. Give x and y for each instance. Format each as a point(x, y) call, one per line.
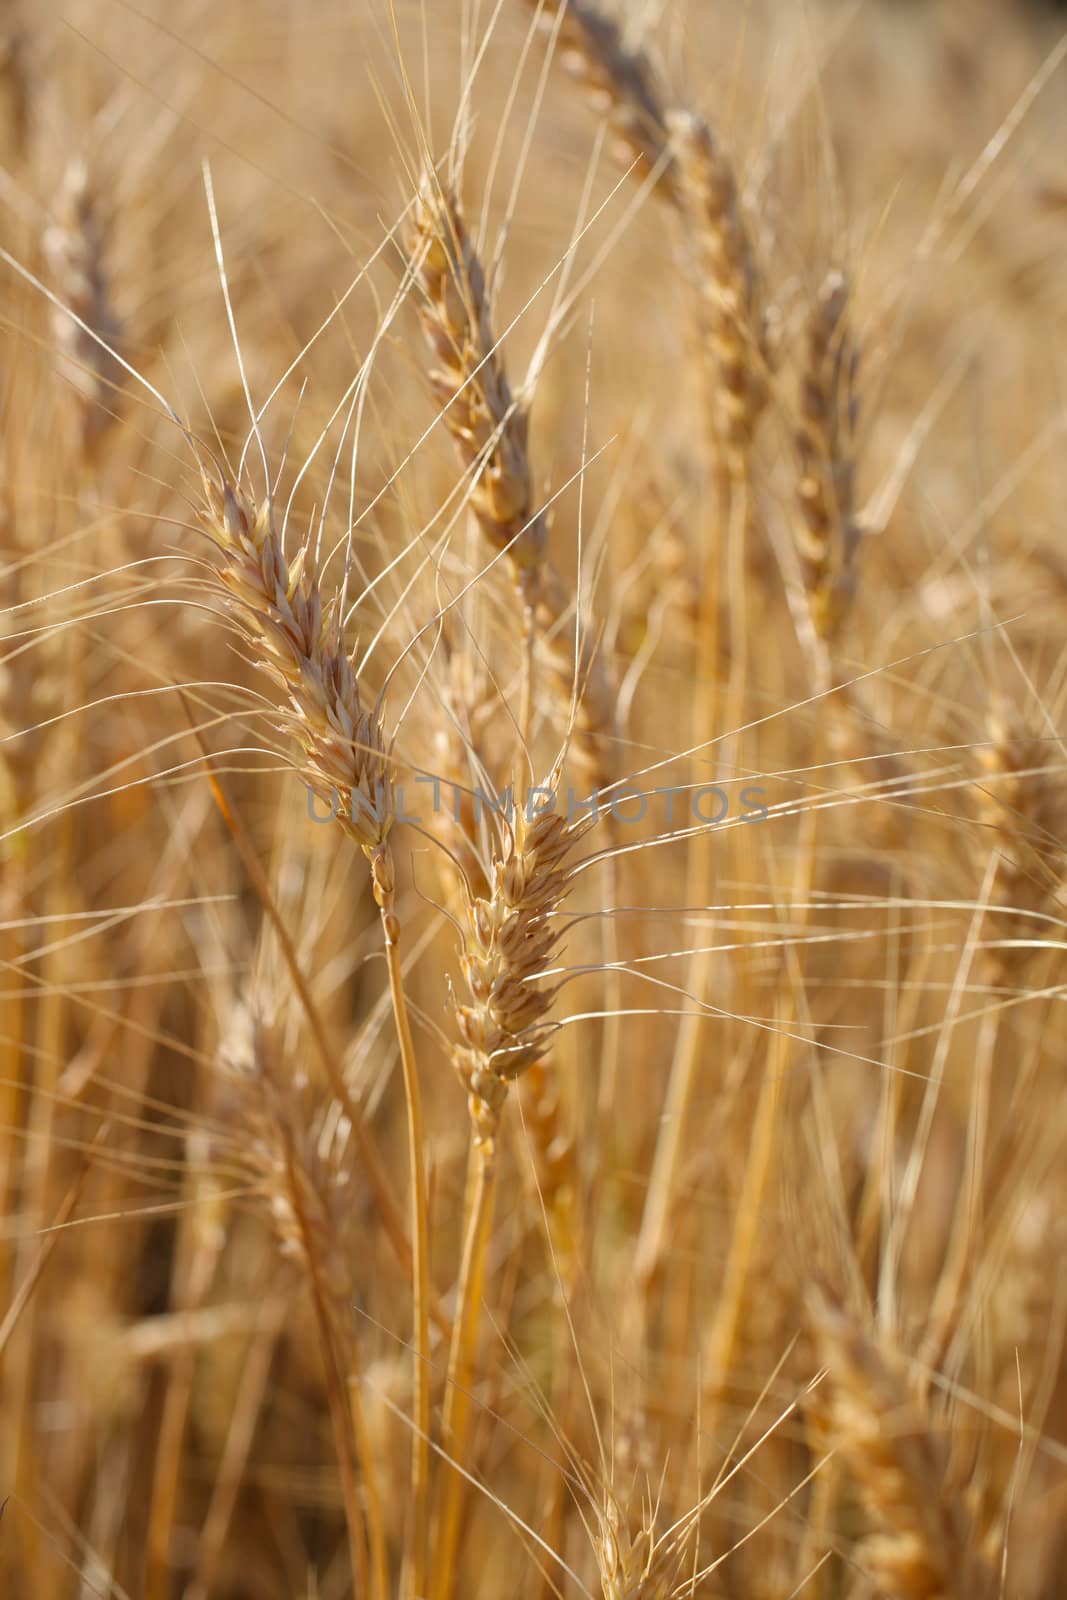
point(75, 246)
point(827, 531)
point(471, 385)
point(926, 1547)
point(490, 431)
point(632, 1563)
point(619, 83)
point(729, 284)
point(280, 608)
point(512, 936)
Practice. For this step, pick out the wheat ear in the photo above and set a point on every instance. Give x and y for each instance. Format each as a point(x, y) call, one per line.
point(926, 1546)
point(511, 938)
point(632, 1563)
point(300, 1177)
point(827, 531)
point(730, 285)
point(1018, 806)
point(75, 246)
point(619, 83)
point(470, 383)
point(340, 752)
point(490, 431)
point(487, 424)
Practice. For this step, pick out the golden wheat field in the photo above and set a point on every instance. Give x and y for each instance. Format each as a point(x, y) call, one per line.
point(533, 837)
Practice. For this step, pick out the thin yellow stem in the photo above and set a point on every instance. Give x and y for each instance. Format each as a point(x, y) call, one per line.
point(420, 1264)
point(481, 1188)
point(688, 1052)
point(338, 1381)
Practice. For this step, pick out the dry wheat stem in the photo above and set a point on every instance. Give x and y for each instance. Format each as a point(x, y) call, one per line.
point(374, 1167)
point(455, 1423)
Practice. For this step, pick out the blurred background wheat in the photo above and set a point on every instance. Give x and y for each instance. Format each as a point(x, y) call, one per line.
point(532, 818)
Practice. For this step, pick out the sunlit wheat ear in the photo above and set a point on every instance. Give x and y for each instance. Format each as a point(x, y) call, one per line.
point(827, 532)
point(926, 1546)
point(338, 747)
point(511, 937)
point(471, 385)
point(632, 1564)
point(730, 287)
point(75, 245)
point(339, 743)
point(619, 83)
point(490, 431)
